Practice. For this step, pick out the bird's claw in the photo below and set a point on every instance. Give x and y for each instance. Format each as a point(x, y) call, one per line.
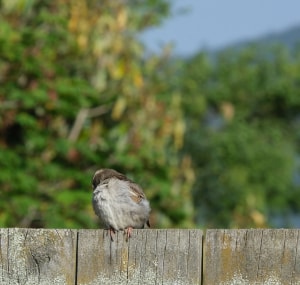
point(128, 232)
point(111, 233)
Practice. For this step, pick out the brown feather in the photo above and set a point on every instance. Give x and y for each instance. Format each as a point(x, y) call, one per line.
point(137, 194)
point(108, 195)
point(104, 174)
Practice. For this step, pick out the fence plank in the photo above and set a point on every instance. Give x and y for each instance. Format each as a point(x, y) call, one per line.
point(37, 256)
point(252, 257)
point(149, 257)
point(173, 256)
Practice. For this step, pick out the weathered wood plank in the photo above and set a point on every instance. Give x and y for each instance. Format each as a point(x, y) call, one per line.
point(252, 257)
point(149, 257)
point(37, 256)
point(173, 256)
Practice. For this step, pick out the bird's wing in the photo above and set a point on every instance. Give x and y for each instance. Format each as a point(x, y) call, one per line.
point(136, 193)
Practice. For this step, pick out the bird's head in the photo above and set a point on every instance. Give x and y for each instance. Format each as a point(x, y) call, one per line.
point(103, 174)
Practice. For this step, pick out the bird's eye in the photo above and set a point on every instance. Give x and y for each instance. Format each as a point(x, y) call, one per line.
point(94, 184)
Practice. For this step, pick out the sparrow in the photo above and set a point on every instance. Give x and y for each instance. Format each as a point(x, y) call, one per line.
point(119, 202)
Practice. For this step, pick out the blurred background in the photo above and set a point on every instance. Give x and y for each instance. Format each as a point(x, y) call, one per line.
point(198, 103)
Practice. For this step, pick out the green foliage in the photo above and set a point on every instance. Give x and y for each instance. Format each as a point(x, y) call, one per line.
point(76, 94)
point(243, 134)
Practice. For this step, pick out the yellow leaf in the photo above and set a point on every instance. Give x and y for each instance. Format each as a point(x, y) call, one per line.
point(119, 108)
point(227, 110)
point(179, 130)
point(82, 41)
point(122, 18)
point(258, 218)
point(138, 80)
point(118, 71)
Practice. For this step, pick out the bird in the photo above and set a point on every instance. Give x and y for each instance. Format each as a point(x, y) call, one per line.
point(119, 202)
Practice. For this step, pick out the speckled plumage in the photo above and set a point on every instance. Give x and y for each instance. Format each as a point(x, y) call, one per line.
point(119, 202)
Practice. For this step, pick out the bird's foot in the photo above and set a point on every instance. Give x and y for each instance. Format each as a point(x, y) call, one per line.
point(111, 233)
point(128, 232)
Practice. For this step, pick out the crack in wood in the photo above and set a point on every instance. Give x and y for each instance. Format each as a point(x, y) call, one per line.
point(259, 255)
point(295, 259)
point(175, 256)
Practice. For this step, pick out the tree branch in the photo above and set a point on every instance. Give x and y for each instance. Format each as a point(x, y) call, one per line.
point(81, 117)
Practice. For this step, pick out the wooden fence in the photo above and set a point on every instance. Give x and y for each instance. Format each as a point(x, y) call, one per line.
point(173, 256)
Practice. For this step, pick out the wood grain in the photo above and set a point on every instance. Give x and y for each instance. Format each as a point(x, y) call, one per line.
point(173, 256)
point(37, 256)
point(252, 257)
point(149, 257)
